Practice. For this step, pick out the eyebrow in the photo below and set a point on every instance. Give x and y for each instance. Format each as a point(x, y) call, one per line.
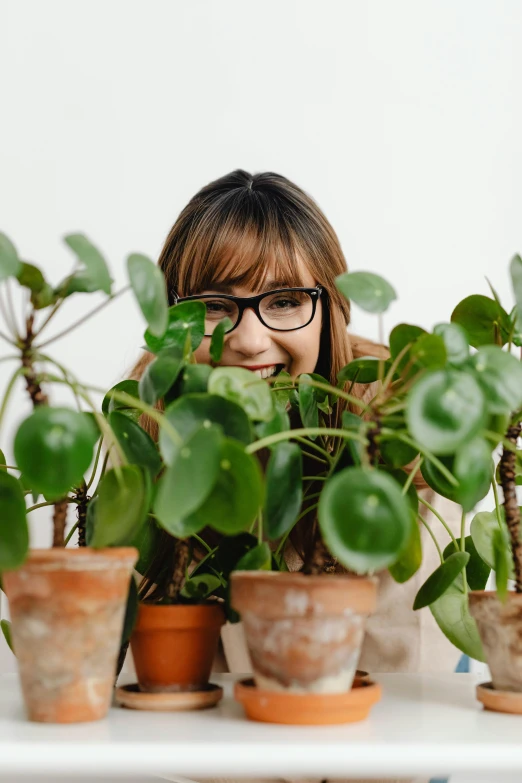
point(227, 288)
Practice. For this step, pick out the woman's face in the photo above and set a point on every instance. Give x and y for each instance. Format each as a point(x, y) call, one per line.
point(260, 349)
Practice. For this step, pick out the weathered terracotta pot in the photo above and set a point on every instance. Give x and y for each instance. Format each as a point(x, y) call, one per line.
point(304, 633)
point(173, 647)
point(500, 629)
point(67, 608)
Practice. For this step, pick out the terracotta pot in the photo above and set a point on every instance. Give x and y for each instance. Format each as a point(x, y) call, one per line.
point(304, 633)
point(67, 608)
point(500, 629)
point(173, 647)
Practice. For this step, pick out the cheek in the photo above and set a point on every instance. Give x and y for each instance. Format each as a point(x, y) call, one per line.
point(202, 354)
point(303, 348)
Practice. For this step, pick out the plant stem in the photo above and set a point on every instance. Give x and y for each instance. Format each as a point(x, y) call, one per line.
point(11, 307)
point(301, 515)
point(70, 534)
point(8, 340)
point(463, 531)
point(81, 320)
point(409, 481)
point(260, 528)
point(48, 503)
point(430, 531)
point(202, 542)
point(311, 445)
point(279, 436)
point(59, 521)
point(95, 467)
point(315, 478)
point(432, 458)
point(497, 503)
point(181, 553)
point(337, 392)
point(507, 468)
point(8, 321)
point(441, 520)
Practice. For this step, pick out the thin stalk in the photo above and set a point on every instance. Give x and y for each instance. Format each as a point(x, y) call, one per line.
point(61, 299)
point(260, 528)
point(337, 392)
point(11, 467)
point(10, 307)
point(70, 534)
point(8, 340)
point(381, 341)
point(441, 520)
point(316, 478)
point(80, 320)
point(269, 440)
point(497, 502)
point(301, 515)
point(20, 371)
point(8, 358)
point(314, 456)
point(409, 481)
point(98, 452)
point(311, 445)
point(49, 503)
point(391, 372)
point(463, 531)
point(432, 458)
point(203, 543)
point(7, 318)
point(430, 531)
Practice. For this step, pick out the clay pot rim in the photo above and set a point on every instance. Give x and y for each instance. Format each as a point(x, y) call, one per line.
point(178, 616)
point(299, 577)
point(489, 595)
point(63, 553)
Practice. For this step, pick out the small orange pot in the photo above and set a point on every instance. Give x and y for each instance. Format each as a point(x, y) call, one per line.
point(304, 633)
point(67, 608)
point(173, 647)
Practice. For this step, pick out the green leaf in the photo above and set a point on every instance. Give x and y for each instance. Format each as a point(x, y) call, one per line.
point(363, 370)
point(401, 477)
point(364, 519)
point(121, 506)
point(440, 580)
point(14, 534)
point(455, 340)
point(515, 271)
point(482, 319)
point(244, 388)
point(184, 319)
point(54, 447)
point(308, 404)
point(131, 612)
point(194, 378)
point(445, 409)
point(429, 350)
point(401, 336)
point(96, 272)
point(237, 495)
point(473, 470)
point(502, 556)
point(199, 588)
point(410, 559)
point(370, 291)
point(147, 542)
point(160, 374)
point(188, 481)
point(191, 412)
point(477, 572)
point(5, 626)
point(148, 283)
point(3, 460)
point(137, 445)
point(281, 392)
point(284, 489)
point(437, 481)
point(280, 422)
point(257, 559)
point(217, 341)
point(396, 453)
point(110, 404)
point(500, 376)
point(31, 277)
point(452, 615)
point(9, 262)
point(482, 529)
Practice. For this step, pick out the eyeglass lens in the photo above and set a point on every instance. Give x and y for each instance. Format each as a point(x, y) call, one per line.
point(284, 311)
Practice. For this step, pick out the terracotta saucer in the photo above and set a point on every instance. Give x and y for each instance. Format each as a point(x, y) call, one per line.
point(314, 709)
point(499, 701)
point(131, 696)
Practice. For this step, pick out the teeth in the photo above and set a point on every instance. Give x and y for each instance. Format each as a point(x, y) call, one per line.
point(266, 372)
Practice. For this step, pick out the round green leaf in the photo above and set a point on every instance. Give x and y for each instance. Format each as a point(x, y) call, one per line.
point(436, 480)
point(396, 453)
point(257, 559)
point(31, 277)
point(429, 350)
point(363, 370)
point(483, 320)
point(96, 272)
point(138, 446)
point(54, 447)
point(410, 559)
point(9, 263)
point(364, 519)
point(477, 571)
point(110, 403)
point(121, 506)
point(308, 404)
point(237, 495)
point(500, 375)
point(148, 284)
point(401, 477)
point(284, 489)
point(440, 580)
point(452, 615)
point(473, 470)
point(160, 374)
point(194, 379)
point(401, 336)
point(244, 388)
point(482, 529)
point(368, 290)
point(188, 481)
point(198, 588)
point(192, 411)
point(280, 422)
point(455, 340)
point(217, 341)
point(445, 408)
point(183, 319)
point(14, 534)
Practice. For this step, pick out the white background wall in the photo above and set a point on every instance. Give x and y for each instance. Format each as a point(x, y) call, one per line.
point(403, 119)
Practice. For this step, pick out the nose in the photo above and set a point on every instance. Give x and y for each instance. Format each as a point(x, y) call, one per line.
point(250, 338)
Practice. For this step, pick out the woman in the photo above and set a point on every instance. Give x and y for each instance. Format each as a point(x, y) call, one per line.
point(250, 235)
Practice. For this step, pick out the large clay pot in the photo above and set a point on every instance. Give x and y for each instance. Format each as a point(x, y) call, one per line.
point(173, 647)
point(500, 629)
point(67, 608)
point(304, 633)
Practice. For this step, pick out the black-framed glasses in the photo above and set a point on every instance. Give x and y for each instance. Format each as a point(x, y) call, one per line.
point(283, 310)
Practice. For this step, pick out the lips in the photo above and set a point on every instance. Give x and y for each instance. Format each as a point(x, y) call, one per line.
point(262, 370)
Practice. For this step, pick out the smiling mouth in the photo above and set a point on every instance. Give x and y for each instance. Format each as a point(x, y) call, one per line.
point(265, 371)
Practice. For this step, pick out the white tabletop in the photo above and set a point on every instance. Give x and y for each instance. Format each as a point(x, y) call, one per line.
point(425, 725)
